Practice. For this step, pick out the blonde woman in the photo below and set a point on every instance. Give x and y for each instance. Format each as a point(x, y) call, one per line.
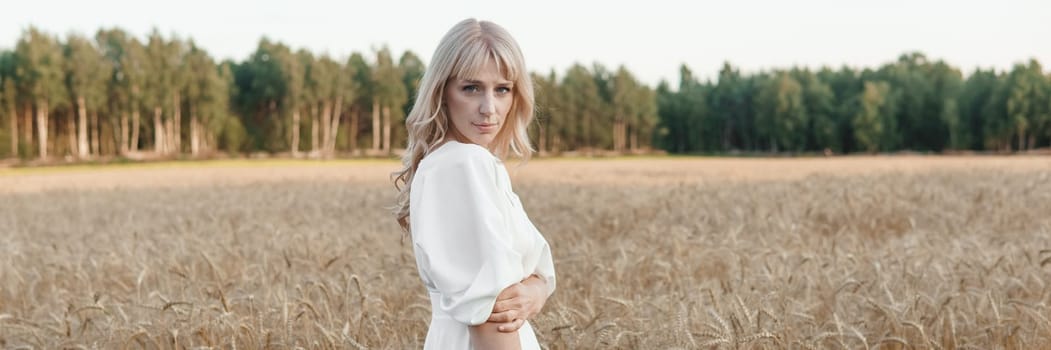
point(486, 267)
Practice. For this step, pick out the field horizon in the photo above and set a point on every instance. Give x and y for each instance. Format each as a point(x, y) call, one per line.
point(664, 169)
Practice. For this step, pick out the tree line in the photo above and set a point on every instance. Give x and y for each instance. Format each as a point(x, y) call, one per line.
point(913, 103)
point(114, 95)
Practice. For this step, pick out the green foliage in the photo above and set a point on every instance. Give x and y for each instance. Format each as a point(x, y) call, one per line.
point(261, 87)
point(912, 103)
point(233, 138)
point(412, 69)
point(1028, 108)
point(388, 79)
point(5, 140)
point(730, 105)
point(40, 67)
point(975, 96)
point(127, 60)
point(87, 71)
point(870, 122)
point(782, 116)
point(684, 114)
point(583, 108)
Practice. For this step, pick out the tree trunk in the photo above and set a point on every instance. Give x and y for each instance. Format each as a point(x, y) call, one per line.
point(82, 129)
point(134, 131)
point(195, 146)
point(386, 130)
point(295, 133)
point(375, 124)
point(337, 114)
point(27, 125)
point(14, 130)
point(209, 140)
point(169, 136)
point(587, 133)
point(618, 136)
point(41, 122)
point(622, 136)
point(314, 129)
point(635, 140)
point(353, 133)
point(176, 130)
point(1021, 140)
point(326, 131)
point(124, 137)
point(71, 135)
point(542, 136)
point(158, 131)
point(727, 133)
point(626, 137)
point(107, 145)
point(96, 130)
point(203, 135)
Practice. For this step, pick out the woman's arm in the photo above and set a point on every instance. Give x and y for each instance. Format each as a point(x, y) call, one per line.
point(486, 336)
point(518, 303)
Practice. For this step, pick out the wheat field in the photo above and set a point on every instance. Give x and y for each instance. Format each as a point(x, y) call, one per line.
point(903, 252)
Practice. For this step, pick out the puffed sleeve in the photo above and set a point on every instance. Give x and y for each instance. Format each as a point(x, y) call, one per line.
point(540, 256)
point(545, 267)
point(460, 225)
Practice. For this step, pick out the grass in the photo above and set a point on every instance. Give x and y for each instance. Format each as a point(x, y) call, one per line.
point(926, 253)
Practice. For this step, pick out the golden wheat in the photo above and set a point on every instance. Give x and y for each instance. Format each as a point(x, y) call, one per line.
point(683, 253)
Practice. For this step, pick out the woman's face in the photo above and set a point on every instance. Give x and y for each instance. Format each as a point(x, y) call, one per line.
point(478, 106)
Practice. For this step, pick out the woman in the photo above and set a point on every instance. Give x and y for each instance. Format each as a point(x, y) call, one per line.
point(486, 267)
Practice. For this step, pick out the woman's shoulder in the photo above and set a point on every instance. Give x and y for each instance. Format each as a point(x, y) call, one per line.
point(453, 154)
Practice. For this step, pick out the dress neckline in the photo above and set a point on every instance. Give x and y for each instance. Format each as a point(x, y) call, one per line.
point(466, 144)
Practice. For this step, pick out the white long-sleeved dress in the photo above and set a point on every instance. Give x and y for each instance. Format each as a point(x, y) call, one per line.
point(471, 238)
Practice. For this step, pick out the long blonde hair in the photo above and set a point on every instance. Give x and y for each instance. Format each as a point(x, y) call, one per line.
point(461, 54)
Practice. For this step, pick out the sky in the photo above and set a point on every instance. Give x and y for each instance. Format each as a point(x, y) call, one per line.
point(652, 38)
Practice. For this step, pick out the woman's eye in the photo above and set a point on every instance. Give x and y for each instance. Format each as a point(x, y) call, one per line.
point(476, 88)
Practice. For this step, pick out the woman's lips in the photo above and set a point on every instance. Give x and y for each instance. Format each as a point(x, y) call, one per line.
point(486, 127)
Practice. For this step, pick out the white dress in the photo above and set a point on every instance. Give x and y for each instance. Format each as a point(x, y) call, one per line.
point(472, 239)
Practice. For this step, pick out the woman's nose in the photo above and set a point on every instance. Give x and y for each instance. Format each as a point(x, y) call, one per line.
point(488, 105)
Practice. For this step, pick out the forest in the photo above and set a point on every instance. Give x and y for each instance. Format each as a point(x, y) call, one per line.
point(115, 95)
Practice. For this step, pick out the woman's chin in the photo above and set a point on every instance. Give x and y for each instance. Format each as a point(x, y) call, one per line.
point(482, 139)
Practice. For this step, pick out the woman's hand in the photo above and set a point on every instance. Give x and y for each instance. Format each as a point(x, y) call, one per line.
point(518, 303)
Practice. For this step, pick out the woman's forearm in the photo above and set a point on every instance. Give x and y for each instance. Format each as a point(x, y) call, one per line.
point(486, 336)
point(537, 282)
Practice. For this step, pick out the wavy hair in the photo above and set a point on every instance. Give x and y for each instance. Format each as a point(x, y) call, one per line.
point(461, 54)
